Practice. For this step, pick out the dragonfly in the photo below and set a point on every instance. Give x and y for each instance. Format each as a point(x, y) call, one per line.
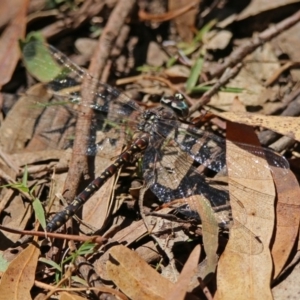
point(172, 149)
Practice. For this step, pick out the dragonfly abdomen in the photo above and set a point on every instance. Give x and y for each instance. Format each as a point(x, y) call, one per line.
point(61, 218)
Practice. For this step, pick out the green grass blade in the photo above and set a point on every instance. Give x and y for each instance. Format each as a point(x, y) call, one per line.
point(194, 75)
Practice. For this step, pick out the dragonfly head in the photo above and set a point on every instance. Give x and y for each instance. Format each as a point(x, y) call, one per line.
point(177, 103)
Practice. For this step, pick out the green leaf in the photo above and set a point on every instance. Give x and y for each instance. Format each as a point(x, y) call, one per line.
point(35, 51)
point(39, 212)
point(20, 187)
point(205, 88)
point(194, 75)
point(3, 263)
point(148, 68)
point(50, 263)
point(204, 30)
point(86, 248)
point(171, 61)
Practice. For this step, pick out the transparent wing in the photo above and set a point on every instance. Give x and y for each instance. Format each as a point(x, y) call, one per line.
point(170, 175)
point(112, 109)
point(65, 79)
point(210, 150)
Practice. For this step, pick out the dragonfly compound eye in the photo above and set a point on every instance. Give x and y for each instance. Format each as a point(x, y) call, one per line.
point(178, 104)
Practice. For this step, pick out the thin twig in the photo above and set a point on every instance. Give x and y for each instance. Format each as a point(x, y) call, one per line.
point(241, 52)
point(293, 109)
point(78, 238)
point(74, 20)
point(97, 65)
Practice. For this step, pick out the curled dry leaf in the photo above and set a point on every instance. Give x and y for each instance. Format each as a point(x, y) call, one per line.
point(19, 277)
point(250, 274)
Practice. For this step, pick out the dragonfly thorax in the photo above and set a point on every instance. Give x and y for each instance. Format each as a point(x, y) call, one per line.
point(148, 120)
point(172, 108)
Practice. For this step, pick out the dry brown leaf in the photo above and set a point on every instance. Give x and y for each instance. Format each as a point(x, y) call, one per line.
point(124, 236)
point(9, 47)
point(177, 71)
point(289, 287)
point(69, 296)
point(162, 231)
point(259, 66)
point(8, 10)
point(19, 277)
point(287, 42)
point(155, 55)
point(210, 231)
point(288, 126)
point(18, 126)
point(135, 277)
point(185, 22)
point(241, 274)
point(188, 271)
point(218, 40)
point(131, 233)
point(256, 7)
point(32, 157)
point(287, 219)
point(16, 215)
point(250, 96)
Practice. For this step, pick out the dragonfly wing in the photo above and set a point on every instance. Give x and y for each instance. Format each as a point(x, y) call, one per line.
point(112, 109)
point(170, 175)
point(209, 150)
point(65, 82)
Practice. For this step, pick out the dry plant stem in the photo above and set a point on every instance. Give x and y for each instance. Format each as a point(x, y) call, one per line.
point(93, 239)
point(86, 270)
point(227, 75)
point(209, 9)
point(293, 109)
point(241, 52)
point(66, 278)
point(278, 72)
point(7, 178)
point(282, 144)
point(97, 65)
point(102, 289)
point(44, 286)
point(87, 11)
point(121, 40)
